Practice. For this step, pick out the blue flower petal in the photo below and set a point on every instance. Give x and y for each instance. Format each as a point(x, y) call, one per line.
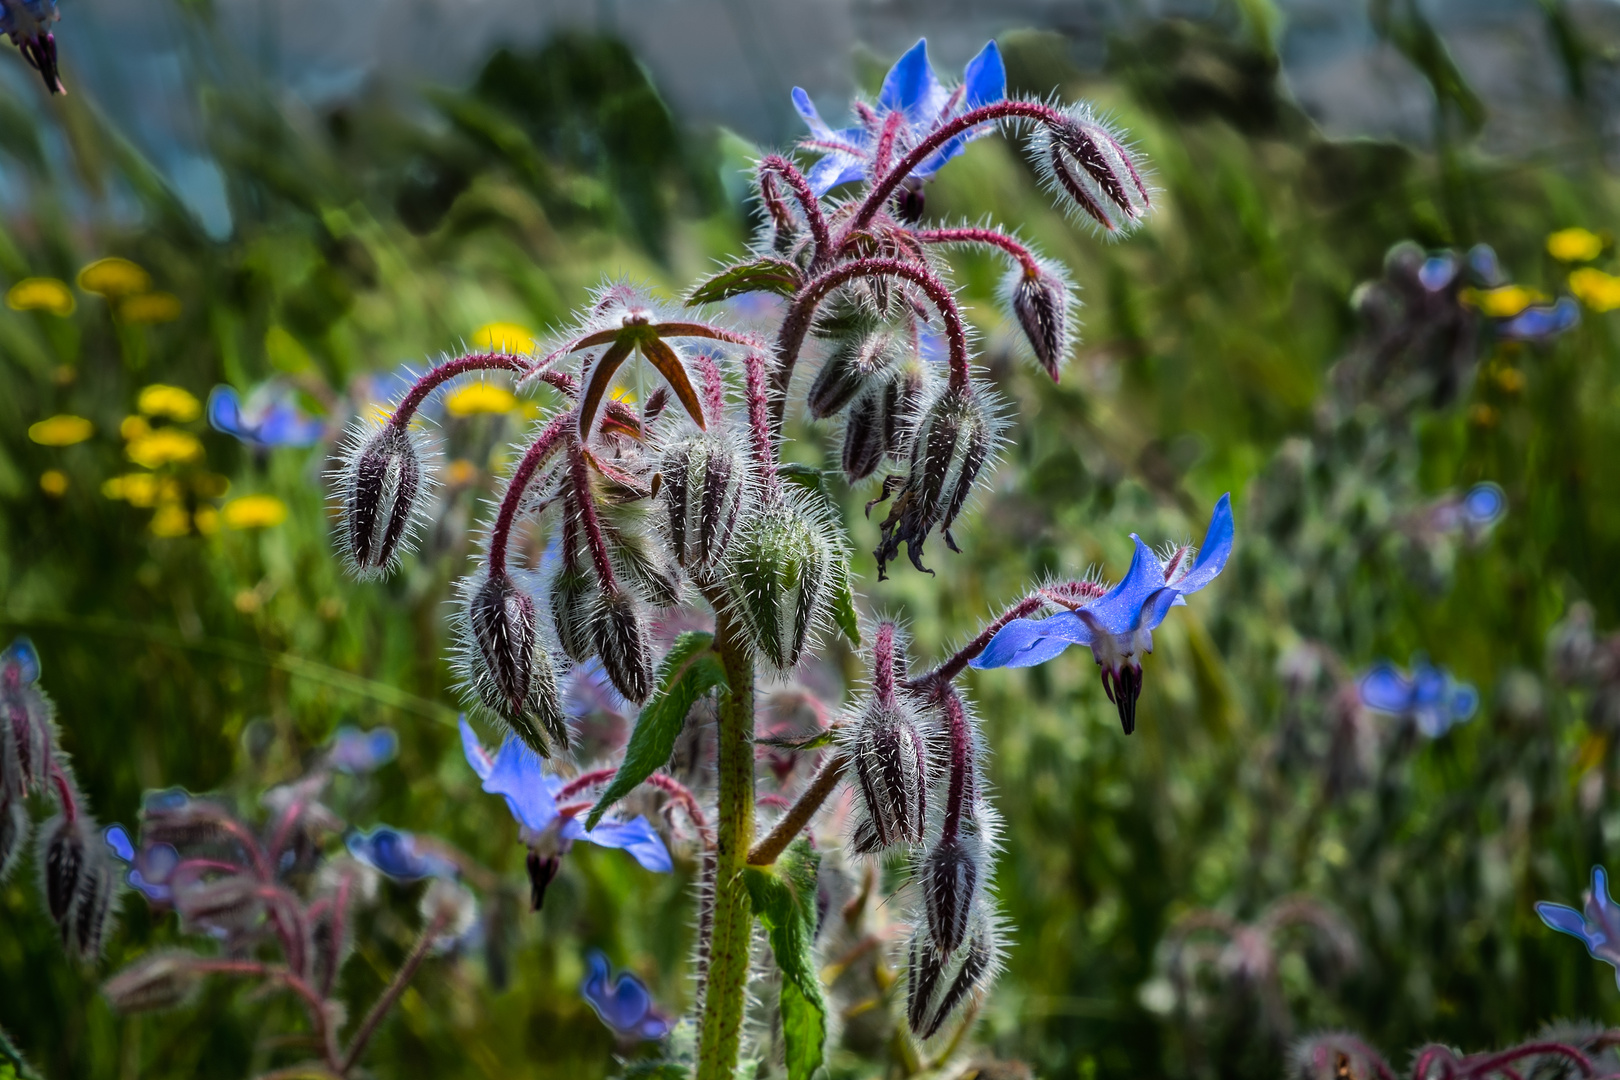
point(807, 109)
point(285, 425)
point(1430, 685)
point(392, 852)
point(474, 751)
point(1536, 323)
point(1214, 551)
point(1119, 611)
point(1464, 702)
point(22, 655)
point(1482, 261)
point(984, 80)
point(636, 837)
point(832, 170)
point(356, 751)
point(1566, 920)
point(910, 83)
point(530, 793)
point(623, 1004)
point(1437, 272)
point(225, 413)
point(1027, 642)
point(1384, 688)
point(118, 840)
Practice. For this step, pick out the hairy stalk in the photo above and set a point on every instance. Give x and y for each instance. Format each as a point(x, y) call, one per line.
point(798, 816)
point(544, 445)
point(731, 932)
point(809, 205)
point(989, 237)
point(760, 438)
point(390, 994)
point(449, 370)
point(932, 682)
point(313, 1004)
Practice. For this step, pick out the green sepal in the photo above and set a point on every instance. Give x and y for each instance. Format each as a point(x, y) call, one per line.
point(843, 603)
point(813, 741)
point(784, 899)
point(762, 275)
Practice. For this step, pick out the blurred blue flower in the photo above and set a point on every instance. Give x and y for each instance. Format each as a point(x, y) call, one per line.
point(623, 1004)
point(1119, 625)
point(1438, 271)
point(1599, 927)
point(1430, 696)
point(394, 853)
point(1483, 262)
point(19, 664)
point(150, 867)
point(1484, 505)
point(26, 23)
point(591, 691)
point(912, 89)
point(1542, 322)
point(356, 751)
point(270, 418)
point(515, 773)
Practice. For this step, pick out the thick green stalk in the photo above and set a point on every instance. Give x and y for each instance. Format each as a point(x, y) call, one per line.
point(720, 1030)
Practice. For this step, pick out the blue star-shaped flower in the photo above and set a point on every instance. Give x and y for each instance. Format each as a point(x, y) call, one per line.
point(396, 854)
point(1599, 927)
point(270, 418)
point(515, 773)
point(1430, 696)
point(1119, 625)
point(622, 1003)
point(912, 89)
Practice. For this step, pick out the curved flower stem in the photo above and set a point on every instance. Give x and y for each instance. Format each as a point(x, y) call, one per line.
point(930, 683)
point(760, 432)
point(727, 955)
point(544, 445)
point(798, 816)
point(64, 790)
point(586, 506)
point(809, 205)
point(1000, 110)
point(991, 237)
point(390, 994)
point(796, 324)
point(961, 764)
point(313, 1004)
point(448, 370)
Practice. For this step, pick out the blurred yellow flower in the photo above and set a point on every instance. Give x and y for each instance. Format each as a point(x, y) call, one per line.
point(41, 294)
point(113, 276)
point(53, 482)
point(480, 398)
point(460, 473)
point(142, 489)
point(247, 601)
point(623, 394)
point(133, 427)
point(504, 337)
point(1503, 302)
point(1574, 245)
point(163, 447)
point(254, 512)
point(150, 308)
point(62, 430)
point(171, 519)
point(206, 519)
point(1595, 289)
point(286, 352)
point(171, 401)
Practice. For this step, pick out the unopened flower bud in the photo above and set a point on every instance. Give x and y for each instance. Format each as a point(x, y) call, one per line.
point(703, 496)
point(159, 980)
point(869, 429)
point(510, 669)
point(92, 910)
point(573, 597)
point(1040, 302)
point(1088, 166)
point(62, 855)
point(14, 823)
point(1336, 1056)
point(622, 645)
point(642, 564)
point(228, 904)
point(953, 440)
point(382, 481)
point(25, 722)
point(892, 768)
point(780, 572)
point(950, 883)
point(853, 363)
point(937, 984)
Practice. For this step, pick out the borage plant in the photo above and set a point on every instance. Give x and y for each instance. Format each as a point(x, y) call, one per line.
point(682, 501)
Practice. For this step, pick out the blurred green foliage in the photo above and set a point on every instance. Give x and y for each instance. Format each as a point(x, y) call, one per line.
point(366, 237)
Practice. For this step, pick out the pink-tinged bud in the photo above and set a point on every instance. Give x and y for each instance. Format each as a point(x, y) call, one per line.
point(381, 485)
point(891, 766)
point(1092, 171)
point(856, 359)
point(703, 495)
point(949, 879)
point(231, 904)
point(543, 870)
point(160, 980)
point(622, 645)
point(62, 853)
point(509, 665)
point(937, 985)
point(25, 723)
point(14, 825)
point(1040, 302)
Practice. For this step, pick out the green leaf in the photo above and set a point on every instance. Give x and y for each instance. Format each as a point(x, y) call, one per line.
point(761, 275)
point(690, 670)
point(814, 741)
point(784, 899)
point(843, 604)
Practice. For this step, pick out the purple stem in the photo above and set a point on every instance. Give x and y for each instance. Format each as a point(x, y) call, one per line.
point(588, 519)
point(808, 203)
point(932, 682)
point(449, 370)
point(961, 763)
point(883, 663)
point(539, 450)
point(798, 816)
point(992, 237)
point(759, 422)
point(396, 987)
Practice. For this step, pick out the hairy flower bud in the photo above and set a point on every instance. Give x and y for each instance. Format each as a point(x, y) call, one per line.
point(509, 665)
point(25, 722)
point(642, 564)
point(92, 910)
point(703, 496)
point(159, 980)
point(954, 438)
point(1093, 171)
point(855, 360)
point(949, 879)
point(381, 483)
point(937, 984)
point(450, 908)
point(573, 598)
point(1040, 302)
point(869, 429)
point(781, 574)
point(891, 766)
point(14, 823)
point(622, 645)
point(230, 904)
point(62, 854)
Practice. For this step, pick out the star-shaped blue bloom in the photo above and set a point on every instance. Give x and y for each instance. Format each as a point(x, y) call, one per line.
point(1599, 927)
point(912, 89)
point(1430, 696)
point(270, 418)
point(1119, 625)
point(397, 854)
point(622, 1003)
point(515, 773)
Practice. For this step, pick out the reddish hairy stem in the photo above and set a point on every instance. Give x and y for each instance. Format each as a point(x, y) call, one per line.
point(542, 448)
point(809, 205)
point(594, 778)
point(313, 1004)
point(70, 806)
point(667, 784)
point(449, 370)
point(396, 987)
point(759, 422)
point(587, 517)
point(951, 668)
point(798, 816)
point(961, 764)
point(1496, 1062)
point(884, 187)
point(992, 237)
point(883, 663)
point(885, 143)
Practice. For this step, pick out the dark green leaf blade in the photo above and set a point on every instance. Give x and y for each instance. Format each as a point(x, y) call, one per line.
point(761, 275)
point(689, 671)
point(784, 899)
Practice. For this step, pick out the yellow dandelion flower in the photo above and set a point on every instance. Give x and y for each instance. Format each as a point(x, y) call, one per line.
point(142, 489)
point(164, 446)
point(150, 308)
point(1502, 302)
point(623, 394)
point(133, 427)
point(171, 519)
point(1482, 415)
point(206, 519)
point(1595, 289)
point(171, 401)
point(505, 337)
point(53, 482)
point(480, 397)
point(62, 430)
point(1574, 245)
point(254, 512)
point(41, 294)
point(113, 276)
